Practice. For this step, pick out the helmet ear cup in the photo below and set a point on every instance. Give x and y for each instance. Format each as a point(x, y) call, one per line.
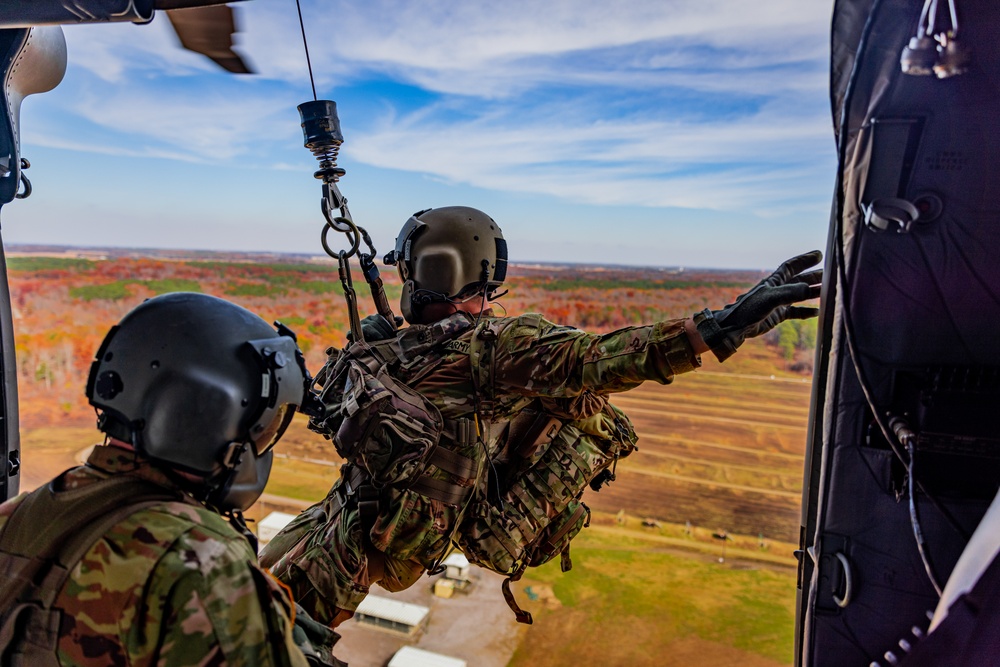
point(451, 251)
point(212, 401)
point(406, 305)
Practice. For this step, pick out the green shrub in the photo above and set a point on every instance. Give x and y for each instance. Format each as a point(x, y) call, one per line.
point(171, 285)
point(48, 264)
point(254, 289)
point(108, 291)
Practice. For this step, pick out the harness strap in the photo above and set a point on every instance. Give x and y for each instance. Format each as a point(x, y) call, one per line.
point(461, 431)
point(436, 489)
point(358, 487)
point(481, 358)
point(451, 462)
point(355, 476)
point(368, 502)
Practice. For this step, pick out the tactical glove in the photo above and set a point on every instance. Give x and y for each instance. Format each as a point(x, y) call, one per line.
point(315, 640)
point(376, 327)
point(763, 307)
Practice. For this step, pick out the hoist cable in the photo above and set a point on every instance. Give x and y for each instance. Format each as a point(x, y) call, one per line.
point(305, 45)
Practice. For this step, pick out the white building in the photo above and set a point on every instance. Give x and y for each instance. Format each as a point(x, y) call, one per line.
point(456, 566)
point(392, 615)
point(415, 657)
point(271, 525)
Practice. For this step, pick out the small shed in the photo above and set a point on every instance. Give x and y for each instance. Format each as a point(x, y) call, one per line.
point(444, 588)
point(271, 525)
point(409, 656)
point(392, 615)
point(457, 568)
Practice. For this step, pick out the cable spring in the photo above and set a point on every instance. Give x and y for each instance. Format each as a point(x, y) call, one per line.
point(326, 155)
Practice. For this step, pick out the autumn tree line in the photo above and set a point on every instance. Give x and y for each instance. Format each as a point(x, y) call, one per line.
point(63, 306)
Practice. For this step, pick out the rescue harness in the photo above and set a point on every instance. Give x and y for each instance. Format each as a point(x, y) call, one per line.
point(509, 502)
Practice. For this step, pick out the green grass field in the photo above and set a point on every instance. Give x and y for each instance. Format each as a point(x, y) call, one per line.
point(627, 601)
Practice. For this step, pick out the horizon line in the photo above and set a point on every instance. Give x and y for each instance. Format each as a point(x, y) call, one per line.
point(96, 253)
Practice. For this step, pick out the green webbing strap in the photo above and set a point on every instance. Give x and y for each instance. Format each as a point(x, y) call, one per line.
point(436, 489)
point(548, 546)
point(454, 463)
point(481, 349)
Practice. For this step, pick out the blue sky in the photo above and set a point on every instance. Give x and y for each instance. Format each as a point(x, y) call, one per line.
point(660, 133)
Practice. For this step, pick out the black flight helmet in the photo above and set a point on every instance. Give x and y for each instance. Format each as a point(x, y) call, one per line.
point(201, 385)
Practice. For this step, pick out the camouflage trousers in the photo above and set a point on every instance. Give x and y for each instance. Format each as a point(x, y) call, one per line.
point(322, 556)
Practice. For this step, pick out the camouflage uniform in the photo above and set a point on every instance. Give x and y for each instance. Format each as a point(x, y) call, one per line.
point(324, 554)
point(169, 585)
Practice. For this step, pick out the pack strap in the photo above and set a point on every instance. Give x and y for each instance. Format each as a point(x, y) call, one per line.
point(368, 498)
point(548, 546)
point(521, 615)
point(454, 463)
point(436, 489)
point(481, 358)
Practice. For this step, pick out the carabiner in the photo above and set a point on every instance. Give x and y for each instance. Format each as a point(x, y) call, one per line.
point(350, 296)
point(351, 231)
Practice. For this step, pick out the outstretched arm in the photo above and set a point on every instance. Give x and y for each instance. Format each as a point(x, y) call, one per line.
point(538, 358)
point(770, 302)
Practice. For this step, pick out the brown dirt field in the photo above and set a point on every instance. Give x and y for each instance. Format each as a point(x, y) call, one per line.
point(712, 507)
point(721, 450)
point(475, 626)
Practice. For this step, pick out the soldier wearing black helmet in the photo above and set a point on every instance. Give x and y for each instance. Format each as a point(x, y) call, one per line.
point(141, 555)
point(480, 431)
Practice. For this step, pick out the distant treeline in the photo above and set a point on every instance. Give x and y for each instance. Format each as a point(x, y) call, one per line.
point(564, 285)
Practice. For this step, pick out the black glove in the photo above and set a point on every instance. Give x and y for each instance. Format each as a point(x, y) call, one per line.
point(763, 307)
point(315, 640)
point(376, 327)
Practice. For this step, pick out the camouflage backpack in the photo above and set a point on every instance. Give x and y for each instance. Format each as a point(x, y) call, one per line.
point(554, 449)
point(414, 471)
point(431, 472)
point(539, 510)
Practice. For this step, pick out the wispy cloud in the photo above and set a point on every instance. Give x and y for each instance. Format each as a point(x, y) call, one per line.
point(714, 104)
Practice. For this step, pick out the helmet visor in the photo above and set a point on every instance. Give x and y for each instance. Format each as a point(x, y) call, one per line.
point(271, 433)
point(284, 383)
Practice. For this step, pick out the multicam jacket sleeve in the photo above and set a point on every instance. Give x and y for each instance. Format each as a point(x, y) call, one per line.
point(539, 358)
